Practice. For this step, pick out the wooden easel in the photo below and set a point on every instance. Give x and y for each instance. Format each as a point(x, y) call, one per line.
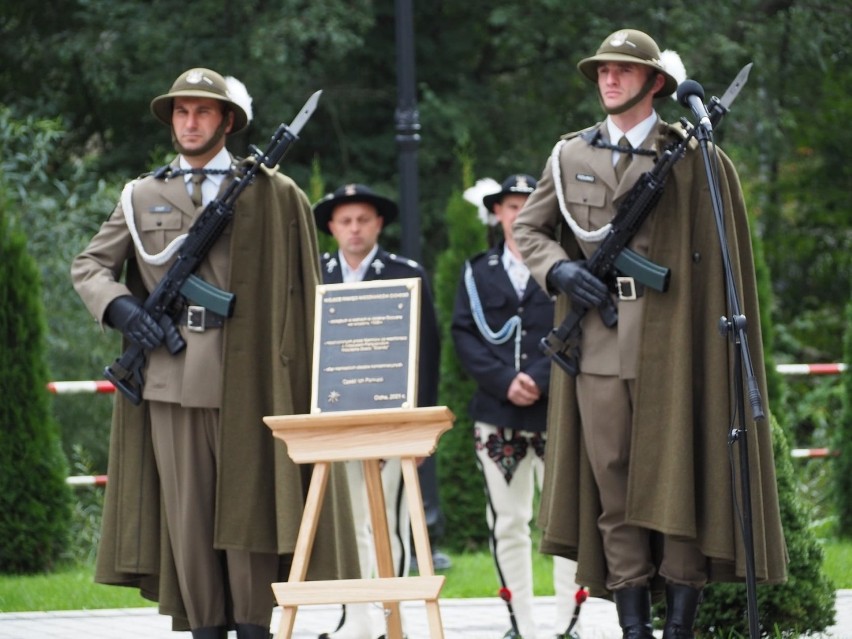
point(369, 436)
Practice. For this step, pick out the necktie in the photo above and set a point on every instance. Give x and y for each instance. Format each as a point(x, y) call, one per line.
point(623, 159)
point(197, 179)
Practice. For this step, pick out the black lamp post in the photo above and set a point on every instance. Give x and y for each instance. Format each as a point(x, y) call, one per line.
point(407, 130)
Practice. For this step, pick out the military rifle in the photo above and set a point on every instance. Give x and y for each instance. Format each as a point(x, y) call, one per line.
point(168, 299)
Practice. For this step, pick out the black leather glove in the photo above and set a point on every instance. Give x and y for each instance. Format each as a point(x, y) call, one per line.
point(575, 280)
point(126, 314)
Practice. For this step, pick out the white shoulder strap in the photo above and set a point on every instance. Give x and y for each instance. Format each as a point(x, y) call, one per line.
point(579, 232)
point(127, 207)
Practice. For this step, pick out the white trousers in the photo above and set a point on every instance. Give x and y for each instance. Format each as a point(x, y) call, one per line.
point(365, 621)
point(512, 464)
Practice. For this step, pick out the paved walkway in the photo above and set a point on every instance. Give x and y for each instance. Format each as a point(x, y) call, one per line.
point(462, 619)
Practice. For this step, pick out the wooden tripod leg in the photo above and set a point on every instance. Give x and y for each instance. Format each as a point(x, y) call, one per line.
point(420, 534)
point(305, 542)
point(381, 540)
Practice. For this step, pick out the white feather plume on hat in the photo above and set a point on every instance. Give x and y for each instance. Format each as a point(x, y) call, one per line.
point(239, 95)
point(671, 62)
point(474, 195)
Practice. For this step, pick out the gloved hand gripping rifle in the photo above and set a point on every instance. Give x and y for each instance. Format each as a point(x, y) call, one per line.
point(167, 300)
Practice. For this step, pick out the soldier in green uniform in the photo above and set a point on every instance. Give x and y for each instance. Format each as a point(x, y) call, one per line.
point(639, 488)
point(196, 449)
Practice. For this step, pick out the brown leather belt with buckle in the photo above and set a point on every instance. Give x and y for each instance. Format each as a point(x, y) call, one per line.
point(198, 319)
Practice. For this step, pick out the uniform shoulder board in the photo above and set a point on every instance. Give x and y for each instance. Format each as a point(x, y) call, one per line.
point(160, 173)
point(399, 259)
point(477, 257)
point(676, 130)
point(583, 133)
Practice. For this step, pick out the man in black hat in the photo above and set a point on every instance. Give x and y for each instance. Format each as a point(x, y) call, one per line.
point(355, 216)
point(500, 316)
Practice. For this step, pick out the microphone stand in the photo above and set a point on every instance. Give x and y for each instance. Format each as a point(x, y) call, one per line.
point(734, 328)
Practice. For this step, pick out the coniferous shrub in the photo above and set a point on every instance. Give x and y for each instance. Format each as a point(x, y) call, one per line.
point(34, 498)
point(805, 604)
point(460, 481)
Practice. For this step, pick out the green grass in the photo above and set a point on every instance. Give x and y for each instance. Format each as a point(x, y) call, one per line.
point(71, 588)
point(472, 575)
point(837, 563)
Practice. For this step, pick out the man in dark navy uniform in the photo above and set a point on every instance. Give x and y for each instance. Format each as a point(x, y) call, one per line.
point(500, 316)
point(355, 216)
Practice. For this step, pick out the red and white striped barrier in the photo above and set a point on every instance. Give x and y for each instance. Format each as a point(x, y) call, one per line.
point(86, 480)
point(810, 369)
point(68, 388)
point(102, 386)
point(813, 452)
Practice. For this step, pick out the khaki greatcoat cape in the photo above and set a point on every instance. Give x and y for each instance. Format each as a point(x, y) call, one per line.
point(680, 476)
point(265, 363)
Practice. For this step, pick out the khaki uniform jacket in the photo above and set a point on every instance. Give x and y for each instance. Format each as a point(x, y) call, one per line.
point(680, 477)
point(259, 365)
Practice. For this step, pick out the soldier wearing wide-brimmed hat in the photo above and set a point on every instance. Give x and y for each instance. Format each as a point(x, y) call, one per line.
point(194, 516)
point(355, 214)
point(629, 489)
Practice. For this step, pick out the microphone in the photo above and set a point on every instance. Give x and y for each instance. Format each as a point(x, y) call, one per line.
point(691, 95)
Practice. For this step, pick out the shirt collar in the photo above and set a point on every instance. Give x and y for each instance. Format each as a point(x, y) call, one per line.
point(509, 259)
point(356, 274)
point(636, 136)
point(220, 162)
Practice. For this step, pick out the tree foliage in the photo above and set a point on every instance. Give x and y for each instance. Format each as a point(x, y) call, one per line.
point(462, 489)
point(843, 441)
point(498, 78)
point(34, 499)
point(57, 201)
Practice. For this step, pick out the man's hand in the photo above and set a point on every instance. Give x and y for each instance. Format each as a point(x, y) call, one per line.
point(126, 314)
point(576, 281)
point(523, 391)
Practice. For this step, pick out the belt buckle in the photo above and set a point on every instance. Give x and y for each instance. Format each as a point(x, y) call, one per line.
point(195, 318)
point(626, 288)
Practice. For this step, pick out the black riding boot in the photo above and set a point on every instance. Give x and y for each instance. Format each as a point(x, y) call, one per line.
point(634, 612)
point(252, 631)
point(681, 607)
point(210, 632)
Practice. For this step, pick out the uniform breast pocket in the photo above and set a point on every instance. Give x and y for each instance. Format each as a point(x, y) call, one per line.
point(586, 202)
point(158, 229)
point(495, 300)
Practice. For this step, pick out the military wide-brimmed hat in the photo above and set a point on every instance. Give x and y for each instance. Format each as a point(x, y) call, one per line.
point(629, 45)
point(518, 184)
point(324, 209)
point(204, 83)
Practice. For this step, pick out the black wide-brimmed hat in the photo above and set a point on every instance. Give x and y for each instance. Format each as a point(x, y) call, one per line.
point(518, 184)
point(353, 193)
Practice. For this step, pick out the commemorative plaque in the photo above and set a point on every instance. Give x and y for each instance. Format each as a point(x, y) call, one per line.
point(366, 345)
